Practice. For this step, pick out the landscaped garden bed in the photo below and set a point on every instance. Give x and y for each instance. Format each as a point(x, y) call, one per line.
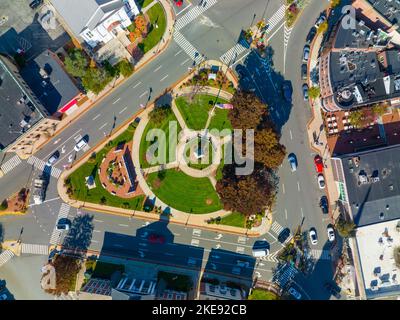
point(185, 193)
point(202, 79)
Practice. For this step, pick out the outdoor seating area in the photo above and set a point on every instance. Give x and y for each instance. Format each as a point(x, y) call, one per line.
point(337, 122)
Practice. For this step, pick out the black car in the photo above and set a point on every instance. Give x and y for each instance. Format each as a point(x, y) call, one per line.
point(333, 289)
point(323, 203)
point(35, 3)
point(311, 35)
point(287, 91)
point(284, 235)
point(304, 71)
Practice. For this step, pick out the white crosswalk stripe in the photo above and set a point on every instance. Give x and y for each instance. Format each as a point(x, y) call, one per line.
point(276, 18)
point(63, 213)
point(35, 249)
point(284, 275)
point(193, 13)
point(321, 254)
point(190, 50)
point(276, 228)
point(271, 257)
point(232, 54)
point(41, 165)
point(195, 242)
point(5, 256)
point(10, 164)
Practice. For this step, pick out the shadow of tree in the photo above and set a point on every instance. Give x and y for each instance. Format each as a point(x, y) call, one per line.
point(79, 236)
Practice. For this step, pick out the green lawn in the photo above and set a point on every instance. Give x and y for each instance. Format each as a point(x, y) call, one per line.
point(185, 193)
point(143, 3)
point(144, 145)
point(198, 165)
point(81, 192)
point(258, 294)
point(157, 17)
point(195, 114)
point(235, 219)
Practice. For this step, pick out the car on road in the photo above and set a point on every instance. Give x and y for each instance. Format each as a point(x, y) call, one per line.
point(333, 289)
point(63, 224)
point(321, 181)
point(306, 53)
point(311, 35)
point(80, 145)
point(294, 293)
point(305, 92)
point(287, 91)
point(53, 159)
point(323, 203)
point(292, 162)
point(284, 235)
point(319, 164)
point(156, 238)
point(320, 21)
point(35, 3)
point(304, 71)
point(331, 233)
point(260, 249)
point(313, 236)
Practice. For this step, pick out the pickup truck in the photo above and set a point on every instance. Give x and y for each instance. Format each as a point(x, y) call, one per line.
point(39, 186)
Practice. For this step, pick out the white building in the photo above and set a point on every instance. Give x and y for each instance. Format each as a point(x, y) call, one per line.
point(96, 21)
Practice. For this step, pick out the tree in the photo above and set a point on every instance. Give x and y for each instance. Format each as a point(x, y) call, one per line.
point(267, 149)
point(159, 114)
point(4, 205)
point(335, 3)
point(66, 269)
point(314, 92)
point(125, 68)
point(95, 79)
point(379, 110)
point(356, 118)
point(346, 229)
point(248, 110)
point(323, 27)
point(76, 63)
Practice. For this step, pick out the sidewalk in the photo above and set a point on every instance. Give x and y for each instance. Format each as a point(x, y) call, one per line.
point(314, 126)
point(94, 99)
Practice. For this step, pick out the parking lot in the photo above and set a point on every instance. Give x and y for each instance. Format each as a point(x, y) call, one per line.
point(32, 30)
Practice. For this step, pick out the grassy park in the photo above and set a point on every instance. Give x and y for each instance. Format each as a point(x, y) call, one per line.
point(157, 29)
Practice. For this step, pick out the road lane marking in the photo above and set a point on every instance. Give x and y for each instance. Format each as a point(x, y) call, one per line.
point(163, 78)
point(63, 143)
point(123, 225)
point(137, 84)
point(298, 185)
point(116, 101)
point(184, 9)
point(103, 126)
point(98, 220)
point(302, 213)
point(241, 59)
point(286, 214)
point(96, 231)
point(185, 61)
point(219, 241)
point(283, 188)
point(95, 241)
point(280, 27)
point(178, 52)
point(143, 94)
point(291, 136)
point(123, 110)
point(158, 68)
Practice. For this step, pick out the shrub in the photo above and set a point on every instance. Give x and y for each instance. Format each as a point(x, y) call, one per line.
point(4, 205)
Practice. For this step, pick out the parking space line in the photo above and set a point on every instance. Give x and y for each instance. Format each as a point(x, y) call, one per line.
point(158, 68)
point(116, 101)
point(96, 116)
point(123, 110)
point(103, 126)
point(163, 78)
point(143, 94)
point(136, 84)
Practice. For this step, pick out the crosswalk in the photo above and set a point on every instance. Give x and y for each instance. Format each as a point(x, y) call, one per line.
point(195, 242)
point(193, 13)
point(10, 164)
point(285, 274)
point(41, 165)
point(190, 50)
point(321, 254)
point(242, 240)
point(63, 213)
point(271, 257)
point(41, 249)
point(276, 228)
point(231, 55)
point(197, 232)
point(240, 250)
point(276, 18)
point(5, 256)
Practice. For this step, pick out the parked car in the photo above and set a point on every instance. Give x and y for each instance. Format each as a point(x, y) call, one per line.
point(305, 92)
point(321, 181)
point(35, 3)
point(331, 233)
point(284, 235)
point(260, 249)
point(287, 91)
point(63, 224)
point(313, 236)
point(333, 290)
point(80, 145)
point(292, 162)
point(311, 35)
point(323, 203)
point(320, 21)
point(294, 293)
point(53, 159)
point(306, 53)
point(156, 238)
point(319, 164)
point(304, 71)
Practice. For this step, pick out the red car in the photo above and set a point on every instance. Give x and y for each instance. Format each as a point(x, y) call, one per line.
point(319, 165)
point(178, 3)
point(156, 238)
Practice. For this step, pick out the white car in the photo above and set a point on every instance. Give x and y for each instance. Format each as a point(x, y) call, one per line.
point(80, 145)
point(320, 21)
point(331, 233)
point(295, 293)
point(53, 159)
point(313, 237)
point(321, 181)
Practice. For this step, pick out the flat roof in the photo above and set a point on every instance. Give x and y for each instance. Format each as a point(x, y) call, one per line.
point(376, 245)
point(373, 184)
point(17, 111)
point(388, 8)
point(48, 80)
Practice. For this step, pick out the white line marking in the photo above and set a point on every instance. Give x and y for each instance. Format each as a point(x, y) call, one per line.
point(283, 23)
point(136, 84)
point(123, 225)
point(123, 110)
point(103, 126)
point(241, 58)
point(116, 101)
point(286, 214)
point(73, 135)
point(96, 116)
point(143, 94)
point(185, 61)
point(163, 78)
point(291, 135)
point(283, 188)
point(98, 220)
point(298, 185)
point(184, 9)
point(158, 68)
point(178, 52)
point(302, 213)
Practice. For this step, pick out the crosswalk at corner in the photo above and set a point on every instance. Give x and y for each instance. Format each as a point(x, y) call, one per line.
point(232, 54)
point(190, 50)
point(276, 228)
point(193, 13)
point(276, 18)
point(5, 256)
point(41, 249)
point(271, 257)
point(41, 165)
point(63, 213)
point(321, 254)
point(10, 164)
point(285, 274)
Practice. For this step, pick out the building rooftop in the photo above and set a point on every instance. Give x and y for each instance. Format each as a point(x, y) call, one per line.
point(373, 185)
point(388, 8)
point(18, 109)
point(375, 247)
point(221, 292)
point(48, 80)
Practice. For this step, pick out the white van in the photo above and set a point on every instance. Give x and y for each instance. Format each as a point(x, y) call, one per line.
point(260, 252)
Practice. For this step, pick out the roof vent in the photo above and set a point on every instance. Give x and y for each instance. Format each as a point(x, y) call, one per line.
point(387, 207)
point(391, 187)
point(381, 216)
